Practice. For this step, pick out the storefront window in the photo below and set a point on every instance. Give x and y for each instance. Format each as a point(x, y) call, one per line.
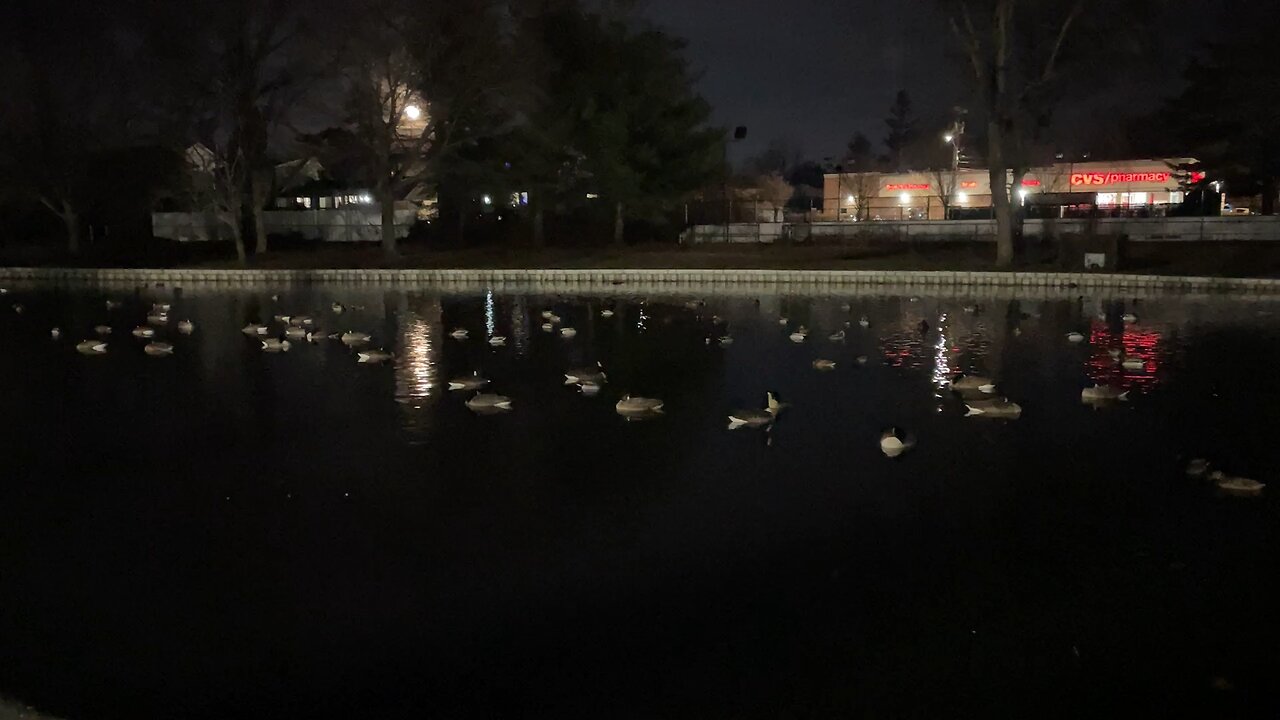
point(1106, 199)
point(1139, 198)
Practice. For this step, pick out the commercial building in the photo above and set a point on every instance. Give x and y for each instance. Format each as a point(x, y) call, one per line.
point(1128, 187)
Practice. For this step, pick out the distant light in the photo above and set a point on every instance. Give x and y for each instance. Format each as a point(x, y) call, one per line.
point(962, 197)
point(592, 196)
point(1022, 193)
point(905, 198)
point(487, 200)
point(413, 112)
point(948, 137)
point(366, 198)
point(849, 200)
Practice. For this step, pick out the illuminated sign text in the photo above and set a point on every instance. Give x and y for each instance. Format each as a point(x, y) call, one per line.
point(907, 186)
point(1112, 178)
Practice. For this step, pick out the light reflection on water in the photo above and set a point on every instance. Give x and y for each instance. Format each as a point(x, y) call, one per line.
point(417, 365)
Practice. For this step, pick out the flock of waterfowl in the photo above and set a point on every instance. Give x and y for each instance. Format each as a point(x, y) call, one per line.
point(979, 394)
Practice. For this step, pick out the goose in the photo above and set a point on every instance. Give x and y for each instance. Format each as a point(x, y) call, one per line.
point(468, 382)
point(973, 383)
point(1197, 468)
point(782, 320)
point(295, 333)
point(629, 405)
point(800, 334)
point(725, 341)
point(352, 337)
point(254, 329)
point(374, 357)
point(1133, 363)
point(824, 364)
point(757, 418)
point(864, 322)
point(275, 298)
point(4, 291)
point(695, 304)
point(1103, 392)
point(836, 337)
point(845, 307)
point(555, 319)
point(158, 319)
point(861, 359)
point(489, 401)
point(589, 389)
point(160, 308)
point(1129, 318)
point(302, 320)
point(606, 313)
point(275, 345)
point(972, 309)
point(282, 319)
point(994, 408)
point(338, 308)
point(142, 331)
point(548, 327)
point(547, 314)
point(1236, 485)
point(894, 442)
point(102, 329)
point(186, 327)
point(578, 376)
point(567, 332)
point(1075, 337)
point(498, 341)
point(317, 335)
point(91, 347)
point(113, 304)
point(157, 349)
point(55, 333)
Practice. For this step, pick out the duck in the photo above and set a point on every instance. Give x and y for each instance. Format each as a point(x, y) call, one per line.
point(757, 418)
point(864, 322)
point(498, 341)
point(91, 347)
point(630, 405)
point(1075, 337)
point(1103, 392)
point(1197, 468)
point(275, 345)
point(1001, 408)
point(1129, 318)
point(295, 333)
point(824, 364)
point(186, 327)
point(606, 313)
point(800, 334)
point(973, 383)
point(836, 336)
point(468, 382)
point(103, 330)
point(1236, 485)
point(158, 319)
point(113, 304)
point(351, 337)
point(254, 329)
point(578, 376)
point(158, 349)
point(374, 357)
point(894, 441)
point(55, 333)
point(488, 401)
point(567, 332)
point(142, 331)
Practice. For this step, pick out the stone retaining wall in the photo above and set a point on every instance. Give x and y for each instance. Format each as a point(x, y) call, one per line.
point(661, 280)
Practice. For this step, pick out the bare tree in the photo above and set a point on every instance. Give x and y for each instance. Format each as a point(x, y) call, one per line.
point(944, 184)
point(774, 190)
point(215, 180)
point(1015, 49)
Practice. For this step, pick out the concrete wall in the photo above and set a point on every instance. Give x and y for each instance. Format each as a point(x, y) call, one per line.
point(344, 225)
point(1176, 229)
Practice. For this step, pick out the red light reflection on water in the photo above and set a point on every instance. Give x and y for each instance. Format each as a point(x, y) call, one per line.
point(1134, 342)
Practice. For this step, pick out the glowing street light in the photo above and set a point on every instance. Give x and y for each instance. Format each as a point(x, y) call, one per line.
point(948, 137)
point(905, 198)
point(413, 112)
point(962, 197)
point(849, 200)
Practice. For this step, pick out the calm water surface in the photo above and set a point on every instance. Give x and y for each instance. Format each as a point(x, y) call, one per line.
point(229, 533)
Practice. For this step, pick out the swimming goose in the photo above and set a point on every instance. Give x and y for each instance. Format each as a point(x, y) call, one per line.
point(489, 401)
point(594, 375)
point(894, 442)
point(864, 322)
point(725, 341)
point(547, 314)
point(302, 320)
point(1236, 485)
point(142, 331)
point(468, 382)
point(498, 340)
point(338, 308)
point(160, 308)
point(1197, 468)
point(635, 406)
point(186, 327)
point(157, 349)
point(295, 333)
point(102, 329)
point(861, 359)
point(459, 334)
point(282, 319)
point(757, 418)
point(973, 383)
point(606, 313)
point(548, 327)
point(567, 332)
point(1133, 363)
point(800, 334)
point(589, 389)
point(1001, 408)
point(845, 307)
point(91, 347)
point(55, 333)
point(352, 337)
point(275, 345)
point(158, 319)
point(1129, 318)
point(782, 320)
point(254, 329)
point(836, 337)
point(1103, 392)
point(824, 364)
point(374, 357)
point(1075, 337)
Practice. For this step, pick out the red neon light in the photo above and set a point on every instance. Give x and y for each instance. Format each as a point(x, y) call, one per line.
point(1030, 183)
point(1197, 176)
point(968, 184)
point(1110, 178)
point(908, 186)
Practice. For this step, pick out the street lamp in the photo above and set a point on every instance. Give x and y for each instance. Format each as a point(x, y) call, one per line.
point(413, 112)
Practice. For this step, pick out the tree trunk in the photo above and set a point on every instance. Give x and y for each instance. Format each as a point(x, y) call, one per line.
point(388, 203)
point(258, 188)
point(617, 224)
point(1000, 194)
point(538, 240)
point(238, 237)
point(71, 219)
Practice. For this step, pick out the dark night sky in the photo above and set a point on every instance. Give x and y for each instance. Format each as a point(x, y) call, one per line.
point(816, 71)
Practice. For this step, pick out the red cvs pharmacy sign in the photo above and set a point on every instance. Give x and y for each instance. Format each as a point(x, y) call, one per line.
point(1115, 178)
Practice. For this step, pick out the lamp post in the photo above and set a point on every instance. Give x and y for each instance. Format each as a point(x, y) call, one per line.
point(739, 133)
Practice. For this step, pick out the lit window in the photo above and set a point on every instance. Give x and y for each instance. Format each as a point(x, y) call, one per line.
point(1106, 199)
point(306, 202)
point(324, 203)
point(1139, 198)
point(1176, 197)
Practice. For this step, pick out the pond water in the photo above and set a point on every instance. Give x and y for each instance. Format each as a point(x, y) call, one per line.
point(226, 532)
